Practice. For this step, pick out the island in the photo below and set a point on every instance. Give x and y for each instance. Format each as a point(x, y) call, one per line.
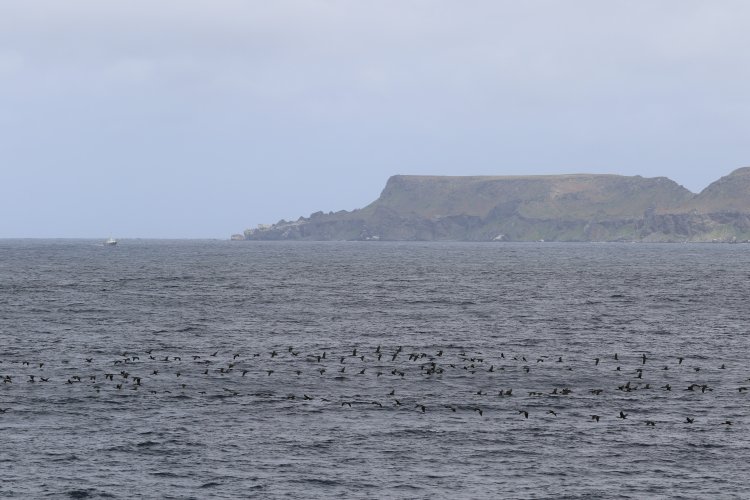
point(575, 207)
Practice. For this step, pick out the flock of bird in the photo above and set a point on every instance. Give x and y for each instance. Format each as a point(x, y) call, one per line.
point(391, 378)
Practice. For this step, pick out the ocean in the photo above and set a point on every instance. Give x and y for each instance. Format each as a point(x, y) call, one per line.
point(214, 369)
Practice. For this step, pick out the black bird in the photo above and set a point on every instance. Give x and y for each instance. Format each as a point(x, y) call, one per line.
point(623, 415)
point(214, 354)
point(689, 420)
point(643, 359)
point(552, 412)
point(596, 361)
point(679, 361)
point(595, 417)
point(89, 360)
point(651, 423)
point(524, 413)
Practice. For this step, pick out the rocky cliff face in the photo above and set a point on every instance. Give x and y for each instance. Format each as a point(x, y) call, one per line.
point(530, 208)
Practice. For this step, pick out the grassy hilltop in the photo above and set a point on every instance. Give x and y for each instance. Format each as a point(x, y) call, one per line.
point(576, 207)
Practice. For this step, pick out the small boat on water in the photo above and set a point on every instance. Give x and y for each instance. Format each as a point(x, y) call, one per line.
point(110, 242)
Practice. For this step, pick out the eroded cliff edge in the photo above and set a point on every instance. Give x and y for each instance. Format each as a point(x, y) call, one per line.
point(578, 207)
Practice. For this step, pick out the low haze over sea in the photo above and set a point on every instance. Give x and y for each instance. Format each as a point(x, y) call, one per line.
point(212, 369)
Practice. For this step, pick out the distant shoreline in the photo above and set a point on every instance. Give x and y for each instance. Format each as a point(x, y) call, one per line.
point(561, 208)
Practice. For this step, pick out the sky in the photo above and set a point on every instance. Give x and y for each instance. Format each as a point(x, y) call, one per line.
point(199, 119)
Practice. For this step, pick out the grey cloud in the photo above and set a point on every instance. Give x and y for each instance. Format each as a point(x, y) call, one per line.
point(261, 92)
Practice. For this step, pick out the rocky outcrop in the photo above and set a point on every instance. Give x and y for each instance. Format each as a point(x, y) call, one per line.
point(580, 207)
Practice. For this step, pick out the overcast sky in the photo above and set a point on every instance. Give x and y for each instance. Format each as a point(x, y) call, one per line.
point(182, 118)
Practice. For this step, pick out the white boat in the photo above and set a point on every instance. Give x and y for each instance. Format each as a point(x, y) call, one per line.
point(110, 242)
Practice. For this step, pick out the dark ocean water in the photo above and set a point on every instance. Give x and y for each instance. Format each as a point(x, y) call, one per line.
point(217, 389)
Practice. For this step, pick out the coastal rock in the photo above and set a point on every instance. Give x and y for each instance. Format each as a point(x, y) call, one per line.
point(576, 207)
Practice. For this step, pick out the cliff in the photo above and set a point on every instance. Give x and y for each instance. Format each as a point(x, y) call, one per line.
point(578, 207)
